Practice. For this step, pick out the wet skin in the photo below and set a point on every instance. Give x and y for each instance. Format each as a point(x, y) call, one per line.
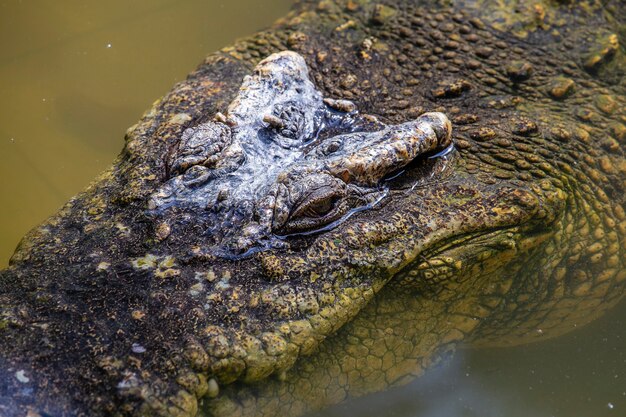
point(154, 288)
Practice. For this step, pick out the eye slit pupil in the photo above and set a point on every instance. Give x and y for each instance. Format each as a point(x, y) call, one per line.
point(320, 207)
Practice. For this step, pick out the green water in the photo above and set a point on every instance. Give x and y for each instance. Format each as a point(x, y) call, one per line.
point(75, 74)
point(581, 374)
point(74, 77)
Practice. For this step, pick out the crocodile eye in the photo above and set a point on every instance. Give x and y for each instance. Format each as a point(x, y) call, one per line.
point(316, 210)
point(316, 207)
point(312, 203)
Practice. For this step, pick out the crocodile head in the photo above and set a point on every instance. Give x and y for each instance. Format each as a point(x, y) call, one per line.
point(269, 250)
point(285, 161)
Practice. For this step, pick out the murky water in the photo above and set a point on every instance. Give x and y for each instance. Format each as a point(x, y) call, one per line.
point(74, 77)
point(581, 374)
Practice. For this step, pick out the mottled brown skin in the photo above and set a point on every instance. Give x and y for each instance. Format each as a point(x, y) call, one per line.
point(521, 238)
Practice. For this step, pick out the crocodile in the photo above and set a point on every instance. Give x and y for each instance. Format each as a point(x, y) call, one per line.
point(329, 208)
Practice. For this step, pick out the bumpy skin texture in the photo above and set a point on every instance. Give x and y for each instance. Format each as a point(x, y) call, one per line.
point(104, 311)
point(285, 161)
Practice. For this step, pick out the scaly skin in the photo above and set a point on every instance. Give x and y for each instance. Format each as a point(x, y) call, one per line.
point(104, 311)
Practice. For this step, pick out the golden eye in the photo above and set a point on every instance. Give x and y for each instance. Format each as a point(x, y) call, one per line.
point(318, 201)
point(320, 208)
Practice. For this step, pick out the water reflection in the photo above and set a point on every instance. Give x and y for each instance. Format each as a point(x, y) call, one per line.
point(577, 375)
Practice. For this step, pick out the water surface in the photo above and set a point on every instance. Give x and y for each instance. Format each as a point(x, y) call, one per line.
point(73, 78)
point(74, 75)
